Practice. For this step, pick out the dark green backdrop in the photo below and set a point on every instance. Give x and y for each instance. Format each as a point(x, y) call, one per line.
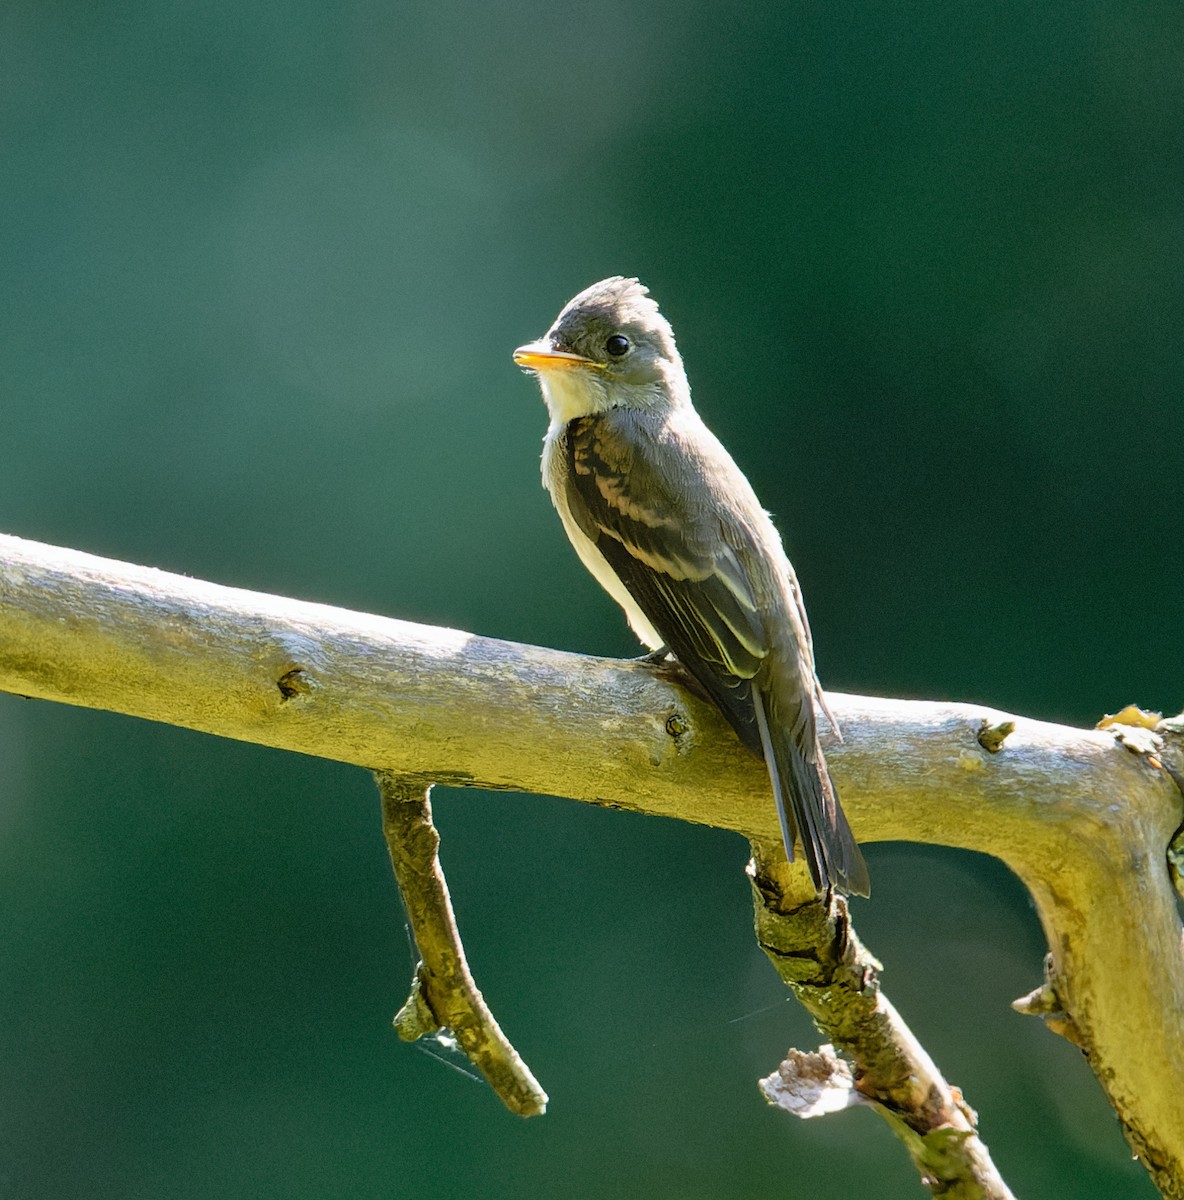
point(261, 269)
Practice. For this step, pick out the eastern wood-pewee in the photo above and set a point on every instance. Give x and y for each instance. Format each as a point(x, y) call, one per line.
point(669, 526)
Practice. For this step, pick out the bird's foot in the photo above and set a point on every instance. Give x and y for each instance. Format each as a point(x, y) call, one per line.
point(655, 658)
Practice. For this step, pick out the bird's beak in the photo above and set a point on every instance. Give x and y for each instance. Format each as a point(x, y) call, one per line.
point(542, 356)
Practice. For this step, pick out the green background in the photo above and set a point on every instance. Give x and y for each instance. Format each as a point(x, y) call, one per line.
point(261, 270)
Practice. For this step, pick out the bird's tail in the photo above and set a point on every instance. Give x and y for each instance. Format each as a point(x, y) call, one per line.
point(807, 805)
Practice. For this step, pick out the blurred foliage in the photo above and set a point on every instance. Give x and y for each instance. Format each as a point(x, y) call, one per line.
point(263, 268)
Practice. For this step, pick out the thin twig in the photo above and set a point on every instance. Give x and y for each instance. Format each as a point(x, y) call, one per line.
point(443, 992)
point(818, 955)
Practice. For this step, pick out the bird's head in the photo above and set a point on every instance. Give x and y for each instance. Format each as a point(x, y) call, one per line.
point(610, 347)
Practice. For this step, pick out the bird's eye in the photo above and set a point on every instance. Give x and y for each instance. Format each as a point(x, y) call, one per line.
point(617, 345)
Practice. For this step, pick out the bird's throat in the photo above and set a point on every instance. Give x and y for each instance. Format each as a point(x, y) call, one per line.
point(571, 394)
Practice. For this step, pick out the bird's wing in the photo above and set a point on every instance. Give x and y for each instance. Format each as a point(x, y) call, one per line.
point(644, 513)
point(683, 575)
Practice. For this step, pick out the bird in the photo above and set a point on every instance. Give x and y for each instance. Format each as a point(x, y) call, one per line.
point(667, 523)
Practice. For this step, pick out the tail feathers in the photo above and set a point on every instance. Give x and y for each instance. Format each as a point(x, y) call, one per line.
point(807, 804)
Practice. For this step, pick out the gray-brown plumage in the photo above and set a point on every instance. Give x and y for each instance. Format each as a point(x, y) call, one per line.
point(667, 523)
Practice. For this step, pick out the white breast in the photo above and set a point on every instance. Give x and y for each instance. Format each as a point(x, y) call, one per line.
point(554, 471)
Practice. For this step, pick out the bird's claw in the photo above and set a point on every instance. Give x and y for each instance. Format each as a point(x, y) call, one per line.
point(655, 658)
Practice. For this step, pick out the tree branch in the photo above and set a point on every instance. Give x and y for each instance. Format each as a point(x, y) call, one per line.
point(443, 993)
point(1080, 818)
point(814, 949)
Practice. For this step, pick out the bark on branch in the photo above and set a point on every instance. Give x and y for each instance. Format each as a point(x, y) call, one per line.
point(814, 949)
point(1080, 818)
point(443, 993)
